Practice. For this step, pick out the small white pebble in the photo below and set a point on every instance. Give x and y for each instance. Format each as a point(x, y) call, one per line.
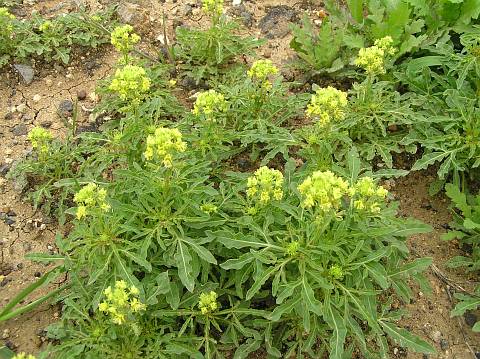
point(37, 98)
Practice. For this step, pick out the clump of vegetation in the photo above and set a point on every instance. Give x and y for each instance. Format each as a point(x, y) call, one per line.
point(51, 39)
point(173, 252)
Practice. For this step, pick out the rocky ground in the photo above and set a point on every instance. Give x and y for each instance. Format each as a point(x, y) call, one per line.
point(35, 94)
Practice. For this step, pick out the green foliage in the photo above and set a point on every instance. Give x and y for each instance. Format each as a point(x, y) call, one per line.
point(466, 228)
point(51, 39)
point(205, 53)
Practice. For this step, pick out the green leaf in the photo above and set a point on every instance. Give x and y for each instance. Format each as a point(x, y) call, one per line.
point(337, 340)
point(6, 353)
point(458, 198)
point(183, 260)
point(406, 339)
point(356, 9)
point(428, 159)
point(202, 252)
point(476, 327)
point(309, 299)
point(238, 263)
point(259, 281)
point(286, 307)
point(466, 303)
point(418, 265)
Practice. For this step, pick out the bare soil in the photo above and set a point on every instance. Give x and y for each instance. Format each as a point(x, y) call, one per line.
point(33, 231)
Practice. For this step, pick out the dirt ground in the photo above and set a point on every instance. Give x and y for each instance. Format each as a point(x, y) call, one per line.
point(24, 230)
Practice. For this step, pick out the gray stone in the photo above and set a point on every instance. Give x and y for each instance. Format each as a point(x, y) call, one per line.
point(65, 108)
point(26, 72)
point(444, 344)
point(20, 130)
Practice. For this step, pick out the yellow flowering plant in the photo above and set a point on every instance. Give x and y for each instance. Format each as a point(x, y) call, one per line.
point(40, 139)
point(23, 356)
point(90, 198)
point(163, 145)
point(373, 59)
point(130, 83)
point(261, 72)
point(327, 105)
point(121, 302)
point(265, 186)
point(123, 39)
point(210, 104)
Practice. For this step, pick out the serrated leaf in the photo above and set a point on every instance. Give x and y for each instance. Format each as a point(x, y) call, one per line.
point(407, 339)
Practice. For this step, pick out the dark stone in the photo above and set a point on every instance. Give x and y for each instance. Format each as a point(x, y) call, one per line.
point(9, 344)
point(4, 168)
point(20, 130)
point(11, 213)
point(65, 109)
point(26, 72)
point(470, 318)
point(20, 266)
point(243, 164)
point(8, 116)
point(477, 354)
point(247, 18)
point(425, 356)
point(276, 23)
point(82, 95)
point(9, 221)
point(444, 344)
point(4, 282)
point(38, 274)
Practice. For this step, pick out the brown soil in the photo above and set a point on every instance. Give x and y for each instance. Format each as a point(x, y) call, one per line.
point(32, 231)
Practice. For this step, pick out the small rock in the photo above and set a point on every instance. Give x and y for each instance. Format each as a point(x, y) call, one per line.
point(82, 95)
point(4, 168)
point(21, 108)
point(444, 344)
point(425, 356)
point(37, 98)
point(49, 82)
point(436, 336)
point(65, 109)
point(236, 2)
point(247, 18)
point(26, 72)
point(20, 130)
point(20, 266)
point(470, 318)
point(38, 274)
point(5, 334)
point(4, 282)
point(187, 10)
point(128, 13)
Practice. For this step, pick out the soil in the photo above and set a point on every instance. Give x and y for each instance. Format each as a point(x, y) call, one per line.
point(24, 229)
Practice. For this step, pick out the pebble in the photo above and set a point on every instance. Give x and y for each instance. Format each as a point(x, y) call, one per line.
point(82, 95)
point(444, 344)
point(5, 334)
point(21, 108)
point(436, 336)
point(65, 108)
point(37, 274)
point(470, 318)
point(49, 82)
point(26, 72)
point(37, 98)
point(20, 130)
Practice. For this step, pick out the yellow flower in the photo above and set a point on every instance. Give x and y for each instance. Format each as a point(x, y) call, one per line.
point(323, 191)
point(327, 104)
point(367, 196)
point(130, 83)
point(292, 248)
point(123, 39)
point(208, 302)
point(265, 185)
point(45, 26)
point(336, 272)
point(372, 59)
point(208, 208)
point(6, 22)
point(40, 139)
point(260, 72)
point(23, 356)
point(90, 196)
point(209, 103)
point(163, 144)
point(214, 7)
point(121, 302)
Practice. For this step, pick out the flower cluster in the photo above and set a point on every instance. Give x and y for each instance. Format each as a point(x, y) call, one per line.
point(367, 196)
point(163, 144)
point(120, 302)
point(208, 208)
point(6, 21)
point(40, 139)
point(23, 356)
point(209, 103)
point(336, 272)
point(266, 184)
point(130, 82)
point(214, 7)
point(90, 196)
point(261, 70)
point(123, 39)
point(372, 59)
point(324, 191)
point(292, 248)
point(327, 104)
point(208, 302)
point(45, 26)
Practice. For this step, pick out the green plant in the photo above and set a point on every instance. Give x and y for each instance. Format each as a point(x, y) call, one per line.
point(466, 228)
point(51, 39)
point(209, 52)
